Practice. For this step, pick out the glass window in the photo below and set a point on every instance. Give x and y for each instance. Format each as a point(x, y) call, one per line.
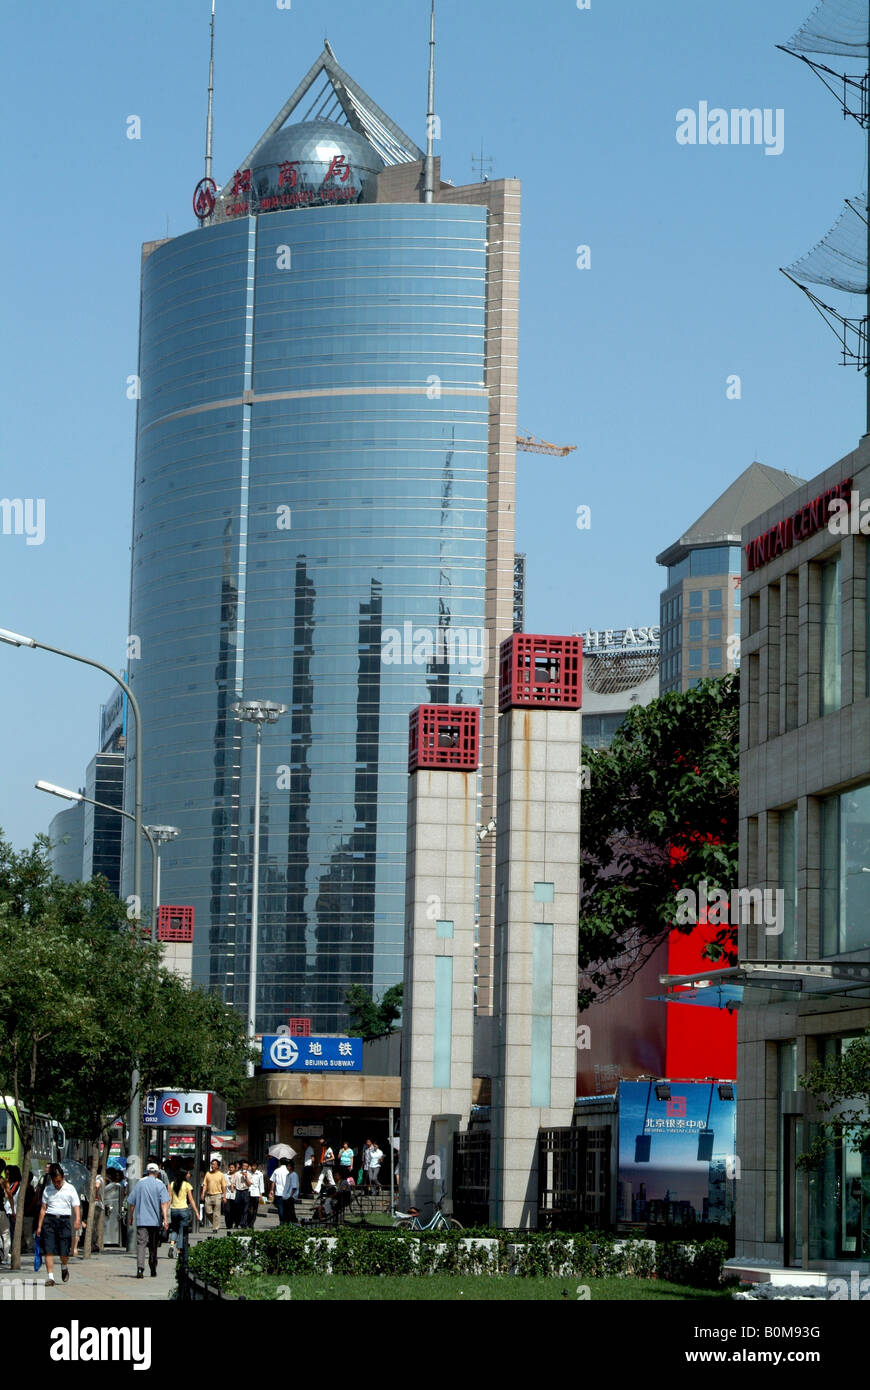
point(444, 928)
point(714, 625)
point(787, 940)
point(695, 630)
point(838, 1188)
point(716, 559)
point(542, 1018)
point(695, 660)
point(543, 892)
point(845, 886)
point(786, 1080)
point(443, 1021)
point(831, 637)
point(714, 657)
point(696, 601)
point(678, 571)
point(714, 598)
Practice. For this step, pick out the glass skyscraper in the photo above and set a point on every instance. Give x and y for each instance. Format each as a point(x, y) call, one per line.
point(312, 497)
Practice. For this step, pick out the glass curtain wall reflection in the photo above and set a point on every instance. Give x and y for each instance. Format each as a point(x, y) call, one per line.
point(309, 527)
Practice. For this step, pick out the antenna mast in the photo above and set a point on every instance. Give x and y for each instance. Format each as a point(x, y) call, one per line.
point(208, 124)
point(429, 161)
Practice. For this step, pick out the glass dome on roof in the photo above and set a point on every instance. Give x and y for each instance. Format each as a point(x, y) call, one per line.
point(312, 164)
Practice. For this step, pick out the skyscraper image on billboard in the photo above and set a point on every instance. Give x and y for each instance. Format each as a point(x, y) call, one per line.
point(678, 1164)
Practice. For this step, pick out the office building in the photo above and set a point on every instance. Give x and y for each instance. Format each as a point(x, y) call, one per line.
point(804, 831)
point(700, 604)
point(323, 517)
point(620, 671)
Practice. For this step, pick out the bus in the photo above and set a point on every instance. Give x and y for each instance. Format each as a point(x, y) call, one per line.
point(49, 1138)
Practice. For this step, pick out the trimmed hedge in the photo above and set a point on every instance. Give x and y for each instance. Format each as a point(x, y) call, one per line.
point(293, 1250)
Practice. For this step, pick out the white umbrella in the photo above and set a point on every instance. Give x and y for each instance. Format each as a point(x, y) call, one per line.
point(282, 1151)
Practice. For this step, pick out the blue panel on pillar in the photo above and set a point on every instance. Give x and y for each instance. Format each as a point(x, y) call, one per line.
point(443, 1021)
point(542, 1013)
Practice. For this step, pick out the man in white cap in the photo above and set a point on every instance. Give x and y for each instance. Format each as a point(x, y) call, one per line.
point(150, 1207)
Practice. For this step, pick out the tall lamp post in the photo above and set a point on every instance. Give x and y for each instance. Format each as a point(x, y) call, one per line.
point(15, 639)
point(258, 712)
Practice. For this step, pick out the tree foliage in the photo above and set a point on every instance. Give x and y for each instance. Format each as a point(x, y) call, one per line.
point(368, 1019)
point(84, 1002)
point(842, 1091)
point(659, 814)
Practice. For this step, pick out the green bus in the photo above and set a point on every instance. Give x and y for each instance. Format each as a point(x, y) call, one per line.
point(49, 1139)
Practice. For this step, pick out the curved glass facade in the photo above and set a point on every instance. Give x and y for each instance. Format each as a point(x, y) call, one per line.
point(309, 527)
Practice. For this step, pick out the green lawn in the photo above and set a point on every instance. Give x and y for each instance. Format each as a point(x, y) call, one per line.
point(457, 1288)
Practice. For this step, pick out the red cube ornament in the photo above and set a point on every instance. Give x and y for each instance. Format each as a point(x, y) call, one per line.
point(444, 736)
point(175, 924)
point(539, 671)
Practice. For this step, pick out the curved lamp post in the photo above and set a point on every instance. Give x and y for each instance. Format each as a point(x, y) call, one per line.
point(16, 639)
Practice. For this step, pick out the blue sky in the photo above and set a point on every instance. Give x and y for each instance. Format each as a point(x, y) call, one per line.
point(627, 359)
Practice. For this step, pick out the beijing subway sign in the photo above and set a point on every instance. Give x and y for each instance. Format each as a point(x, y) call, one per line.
point(177, 1109)
point(281, 1052)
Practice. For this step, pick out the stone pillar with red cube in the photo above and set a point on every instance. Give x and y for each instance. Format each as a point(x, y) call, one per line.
point(536, 912)
point(438, 995)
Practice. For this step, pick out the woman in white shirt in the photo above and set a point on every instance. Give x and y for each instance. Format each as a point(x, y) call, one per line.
point(60, 1213)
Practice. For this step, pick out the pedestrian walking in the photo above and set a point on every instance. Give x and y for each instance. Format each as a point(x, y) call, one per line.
point(279, 1189)
point(327, 1160)
point(182, 1211)
point(257, 1192)
point(345, 1161)
point(308, 1170)
point(230, 1201)
point(11, 1191)
point(376, 1158)
point(368, 1149)
point(150, 1207)
point(60, 1213)
point(291, 1195)
point(212, 1194)
point(243, 1196)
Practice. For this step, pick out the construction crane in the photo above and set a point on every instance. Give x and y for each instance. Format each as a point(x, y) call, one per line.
point(530, 445)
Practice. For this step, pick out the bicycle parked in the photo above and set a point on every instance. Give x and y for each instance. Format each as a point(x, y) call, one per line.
point(410, 1220)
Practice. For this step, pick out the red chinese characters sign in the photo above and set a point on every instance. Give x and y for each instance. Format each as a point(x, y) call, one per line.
point(336, 187)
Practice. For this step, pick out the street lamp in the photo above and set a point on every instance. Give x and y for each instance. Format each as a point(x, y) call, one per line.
point(15, 639)
point(147, 831)
point(258, 712)
point(159, 835)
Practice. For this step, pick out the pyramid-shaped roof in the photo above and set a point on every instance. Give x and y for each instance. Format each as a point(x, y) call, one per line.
point(757, 488)
point(336, 97)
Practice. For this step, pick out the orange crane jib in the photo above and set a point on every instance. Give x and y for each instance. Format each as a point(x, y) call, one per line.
point(530, 445)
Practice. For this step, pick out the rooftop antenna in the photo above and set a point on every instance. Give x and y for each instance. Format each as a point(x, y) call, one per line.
point(429, 161)
point(484, 163)
point(208, 124)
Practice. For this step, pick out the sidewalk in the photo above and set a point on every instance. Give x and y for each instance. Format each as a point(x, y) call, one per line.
point(111, 1276)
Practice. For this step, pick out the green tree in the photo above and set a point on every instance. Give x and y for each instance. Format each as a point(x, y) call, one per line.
point(842, 1091)
point(48, 933)
point(659, 814)
point(84, 1001)
point(368, 1019)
